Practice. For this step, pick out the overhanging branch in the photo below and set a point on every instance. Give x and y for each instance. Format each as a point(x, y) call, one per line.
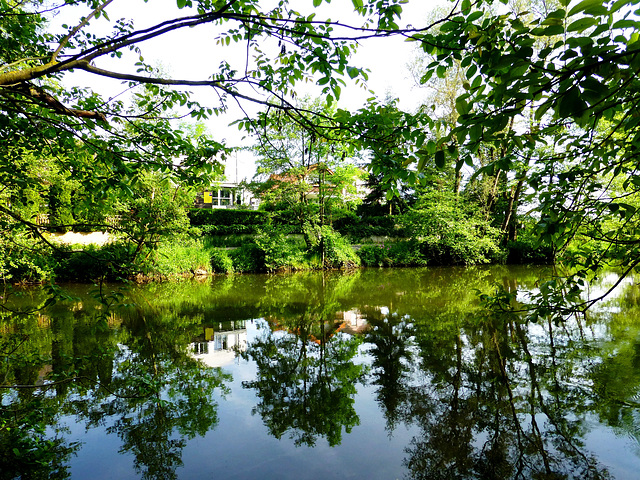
point(54, 104)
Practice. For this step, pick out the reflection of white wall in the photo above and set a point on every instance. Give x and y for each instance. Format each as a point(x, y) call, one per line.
point(221, 349)
point(354, 318)
point(354, 321)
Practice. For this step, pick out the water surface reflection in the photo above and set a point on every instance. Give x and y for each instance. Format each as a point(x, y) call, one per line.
point(375, 373)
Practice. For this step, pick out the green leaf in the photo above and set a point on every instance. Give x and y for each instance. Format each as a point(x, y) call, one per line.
point(316, 3)
point(557, 14)
point(471, 71)
point(422, 160)
point(439, 159)
point(542, 109)
point(584, 5)
point(621, 3)
point(552, 21)
point(573, 105)
point(582, 24)
point(181, 3)
point(462, 106)
point(426, 77)
point(475, 132)
point(548, 31)
point(626, 24)
point(353, 72)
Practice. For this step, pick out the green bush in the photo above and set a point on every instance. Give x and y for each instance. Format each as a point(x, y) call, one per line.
point(24, 259)
point(227, 221)
point(248, 258)
point(526, 250)
point(358, 228)
point(174, 256)
point(221, 261)
point(373, 255)
point(338, 252)
point(418, 253)
point(450, 232)
point(280, 251)
point(109, 262)
point(343, 219)
point(179, 255)
point(406, 253)
point(460, 248)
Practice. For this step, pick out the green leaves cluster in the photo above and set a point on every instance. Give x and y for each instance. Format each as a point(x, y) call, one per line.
point(106, 144)
point(549, 102)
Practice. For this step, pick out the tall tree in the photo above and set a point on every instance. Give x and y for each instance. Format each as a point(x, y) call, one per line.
point(284, 45)
point(306, 174)
point(577, 98)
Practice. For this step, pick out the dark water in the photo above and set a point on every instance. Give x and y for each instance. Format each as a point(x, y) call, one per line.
point(377, 374)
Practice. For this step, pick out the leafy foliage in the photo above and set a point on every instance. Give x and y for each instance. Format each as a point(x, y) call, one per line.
point(450, 232)
point(105, 148)
point(568, 77)
point(221, 262)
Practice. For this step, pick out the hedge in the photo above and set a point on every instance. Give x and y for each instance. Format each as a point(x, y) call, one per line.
point(227, 221)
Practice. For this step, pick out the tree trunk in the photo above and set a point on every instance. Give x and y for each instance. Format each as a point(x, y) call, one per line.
point(509, 225)
point(458, 180)
point(492, 195)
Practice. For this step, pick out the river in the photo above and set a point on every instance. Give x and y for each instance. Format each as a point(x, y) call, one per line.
point(376, 374)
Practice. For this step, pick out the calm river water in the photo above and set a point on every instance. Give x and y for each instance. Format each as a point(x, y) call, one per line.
point(375, 374)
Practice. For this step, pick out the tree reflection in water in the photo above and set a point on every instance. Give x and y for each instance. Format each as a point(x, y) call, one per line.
point(307, 376)
point(493, 410)
point(479, 395)
point(136, 379)
point(392, 351)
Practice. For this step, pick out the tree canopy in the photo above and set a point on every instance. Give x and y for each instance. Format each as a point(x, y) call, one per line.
point(41, 114)
point(552, 90)
point(104, 146)
point(547, 110)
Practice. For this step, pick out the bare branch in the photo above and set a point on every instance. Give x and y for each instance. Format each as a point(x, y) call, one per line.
point(82, 24)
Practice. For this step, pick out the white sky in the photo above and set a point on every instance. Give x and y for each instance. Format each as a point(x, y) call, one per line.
point(193, 54)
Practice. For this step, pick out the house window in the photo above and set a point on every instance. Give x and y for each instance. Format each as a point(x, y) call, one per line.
point(225, 196)
point(221, 197)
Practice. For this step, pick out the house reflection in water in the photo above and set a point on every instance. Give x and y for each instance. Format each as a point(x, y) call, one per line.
point(218, 344)
point(352, 322)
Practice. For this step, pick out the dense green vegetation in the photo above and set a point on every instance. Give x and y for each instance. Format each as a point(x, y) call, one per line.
point(525, 150)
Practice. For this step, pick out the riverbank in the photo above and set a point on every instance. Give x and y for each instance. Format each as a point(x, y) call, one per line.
point(87, 257)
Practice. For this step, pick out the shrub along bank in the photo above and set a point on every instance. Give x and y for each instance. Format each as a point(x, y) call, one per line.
point(269, 249)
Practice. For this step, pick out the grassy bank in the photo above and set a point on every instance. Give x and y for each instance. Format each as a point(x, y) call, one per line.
point(269, 250)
